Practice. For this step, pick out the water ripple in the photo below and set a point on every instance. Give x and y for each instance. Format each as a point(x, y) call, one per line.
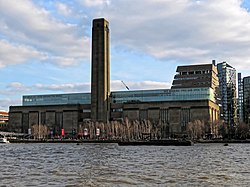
point(110, 165)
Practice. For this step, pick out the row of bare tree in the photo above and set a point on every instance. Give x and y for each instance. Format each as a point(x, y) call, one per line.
point(126, 129)
point(136, 130)
point(217, 129)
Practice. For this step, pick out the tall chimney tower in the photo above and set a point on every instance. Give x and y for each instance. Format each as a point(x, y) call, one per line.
point(100, 75)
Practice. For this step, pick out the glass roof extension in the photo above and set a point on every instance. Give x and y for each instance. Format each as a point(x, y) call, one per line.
point(180, 94)
point(57, 99)
point(183, 94)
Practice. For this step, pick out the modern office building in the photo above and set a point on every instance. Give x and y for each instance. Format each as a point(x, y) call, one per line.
point(246, 99)
point(240, 98)
point(192, 97)
point(227, 93)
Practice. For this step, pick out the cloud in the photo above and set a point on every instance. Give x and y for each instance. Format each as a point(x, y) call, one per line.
point(24, 23)
point(185, 30)
point(118, 85)
point(8, 95)
point(63, 61)
point(63, 9)
point(70, 87)
point(115, 85)
point(16, 87)
point(22, 89)
point(11, 54)
point(94, 3)
point(5, 103)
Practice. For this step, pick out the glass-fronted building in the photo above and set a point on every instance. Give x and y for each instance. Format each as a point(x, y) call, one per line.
point(227, 92)
point(240, 98)
point(246, 99)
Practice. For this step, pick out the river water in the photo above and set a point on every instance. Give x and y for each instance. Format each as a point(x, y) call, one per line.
point(113, 165)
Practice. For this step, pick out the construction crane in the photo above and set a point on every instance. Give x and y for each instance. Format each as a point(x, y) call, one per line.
point(125, 85)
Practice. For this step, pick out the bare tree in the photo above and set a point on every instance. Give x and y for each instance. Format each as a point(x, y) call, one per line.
point(243, 130)
point(40, 131)
point(196, 129)
point(222, 130)
point(216, 127)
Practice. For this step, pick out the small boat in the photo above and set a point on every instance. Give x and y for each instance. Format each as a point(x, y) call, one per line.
point(4, 140)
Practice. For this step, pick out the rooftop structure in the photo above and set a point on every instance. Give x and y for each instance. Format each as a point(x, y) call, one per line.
point(193, 76)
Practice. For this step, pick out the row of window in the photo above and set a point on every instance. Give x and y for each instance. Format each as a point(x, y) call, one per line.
point(195, 72)
point(57, 99)
point(174, 92)
point(166, 98)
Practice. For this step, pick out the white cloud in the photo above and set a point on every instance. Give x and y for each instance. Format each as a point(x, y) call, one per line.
point(115, 85)
point(17, 87)
point(185, 30)
point(11, 54)
point(63, 61)
point(12, 89)
point(21, 88)
point(26, 24)
point(63, 9)
point(70, 87)
point(5, 103)
point(94, 3)
point(118, 85)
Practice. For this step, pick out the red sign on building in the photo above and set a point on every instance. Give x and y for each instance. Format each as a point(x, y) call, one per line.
point(62, 132)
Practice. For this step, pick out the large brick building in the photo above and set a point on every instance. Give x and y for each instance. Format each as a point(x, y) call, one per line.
point(191, 97)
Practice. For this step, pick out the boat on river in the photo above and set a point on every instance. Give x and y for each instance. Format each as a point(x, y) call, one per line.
point(167, 142)
point(4, 140)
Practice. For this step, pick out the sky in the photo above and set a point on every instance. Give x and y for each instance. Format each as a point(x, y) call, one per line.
point(45, 45)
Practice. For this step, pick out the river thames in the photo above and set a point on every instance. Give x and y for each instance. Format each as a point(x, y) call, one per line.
point(113, 165)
